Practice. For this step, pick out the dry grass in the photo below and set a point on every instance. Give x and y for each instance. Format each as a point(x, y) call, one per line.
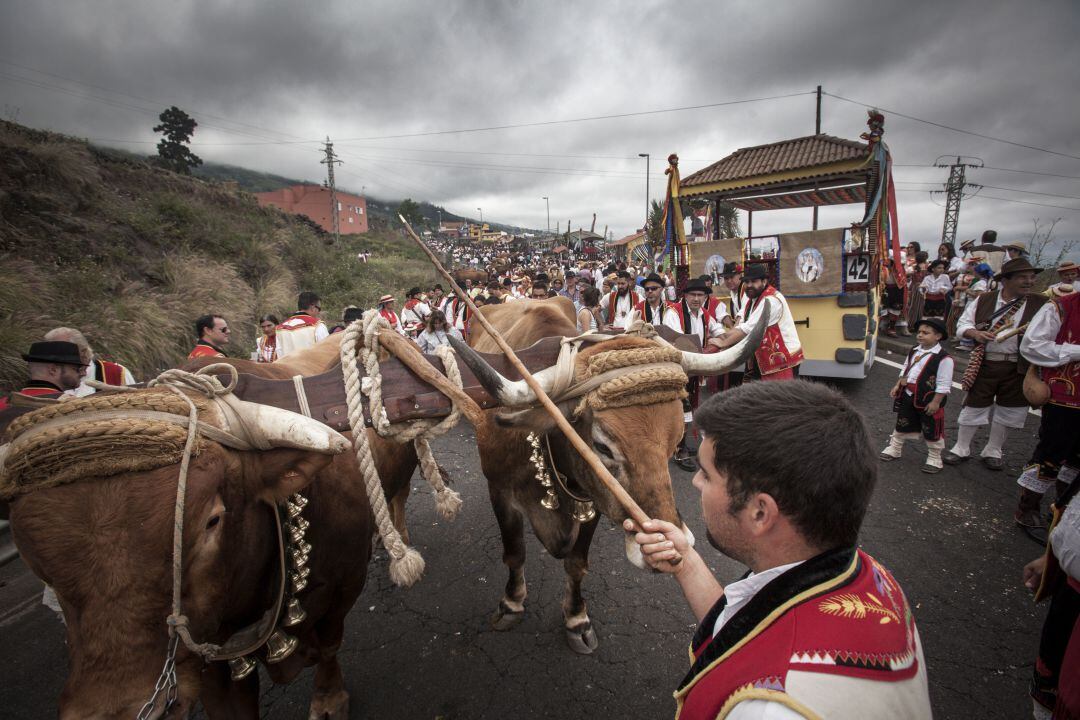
point(131, 254)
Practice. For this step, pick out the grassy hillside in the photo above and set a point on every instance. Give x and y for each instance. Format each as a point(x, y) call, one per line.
point(131, 254)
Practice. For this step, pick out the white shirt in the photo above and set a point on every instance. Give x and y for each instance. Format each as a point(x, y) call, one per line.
point(428, 340)
point(738, 594)
point(936, 285)
point(623, 305)
point(918, 361)
point(1040, 344)
point(967, 322)
point(697, 326)
point(1065, 540)
point(956, 264)
point(742, 591)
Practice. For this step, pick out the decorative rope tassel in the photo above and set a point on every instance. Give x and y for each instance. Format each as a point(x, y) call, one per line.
point(447, 502)
point(406, 564)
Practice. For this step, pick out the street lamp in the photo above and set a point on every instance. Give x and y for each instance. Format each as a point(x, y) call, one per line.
point(646, 156)
point(548, 204)
point(481, 235)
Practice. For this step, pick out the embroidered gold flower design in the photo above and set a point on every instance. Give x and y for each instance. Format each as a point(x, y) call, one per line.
point(850, 605)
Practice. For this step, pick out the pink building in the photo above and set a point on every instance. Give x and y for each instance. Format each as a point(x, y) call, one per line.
point(314, 201)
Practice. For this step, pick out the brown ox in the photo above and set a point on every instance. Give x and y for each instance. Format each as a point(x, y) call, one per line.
point(105, 547)
point(633, 442)
point(463, 274)
point(315, 360)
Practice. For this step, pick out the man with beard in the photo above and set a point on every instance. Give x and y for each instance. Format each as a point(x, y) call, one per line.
point(617, 304)
point(994, 379)
point(817, 628)
point(54, 366)
point(780, 351)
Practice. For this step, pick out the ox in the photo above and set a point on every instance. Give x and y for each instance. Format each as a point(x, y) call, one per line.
point(315, 360)
point(633, 442)
point(105, 547)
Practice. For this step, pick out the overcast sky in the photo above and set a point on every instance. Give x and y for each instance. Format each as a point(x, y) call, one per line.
point(268, 80)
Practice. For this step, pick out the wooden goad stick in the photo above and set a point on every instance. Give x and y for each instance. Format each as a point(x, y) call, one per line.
point(632, 508)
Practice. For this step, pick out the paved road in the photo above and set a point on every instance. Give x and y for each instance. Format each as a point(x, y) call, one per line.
point(428, 652)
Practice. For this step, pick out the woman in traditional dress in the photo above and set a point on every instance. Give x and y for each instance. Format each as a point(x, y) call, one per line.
point(266, 344)
point(435, 333)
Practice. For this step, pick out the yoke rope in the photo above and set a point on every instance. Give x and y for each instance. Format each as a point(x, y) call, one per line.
point(360, 344)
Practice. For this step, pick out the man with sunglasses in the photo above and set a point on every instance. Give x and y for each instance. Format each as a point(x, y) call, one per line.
point(654, 309)
point(213, 333)
point(303, 328)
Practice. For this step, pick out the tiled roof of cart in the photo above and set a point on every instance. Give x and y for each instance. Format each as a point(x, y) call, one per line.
point(786, 156)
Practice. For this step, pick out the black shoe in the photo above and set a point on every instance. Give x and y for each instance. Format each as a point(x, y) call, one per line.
point(686, 462)
point(994, 463)
point(951, 458)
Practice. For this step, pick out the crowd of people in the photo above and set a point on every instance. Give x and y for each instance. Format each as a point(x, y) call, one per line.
point(1024, 353)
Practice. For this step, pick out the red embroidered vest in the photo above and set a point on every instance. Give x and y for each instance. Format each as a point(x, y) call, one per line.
point(773, 354)
point(203, 349)
point(1064, 380)
point(110, 372)
point(840, 613)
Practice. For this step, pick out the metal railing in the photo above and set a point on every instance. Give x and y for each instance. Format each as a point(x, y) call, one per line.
point(8, 551)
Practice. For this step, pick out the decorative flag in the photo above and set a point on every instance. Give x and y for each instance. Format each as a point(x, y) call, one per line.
point(674, 234)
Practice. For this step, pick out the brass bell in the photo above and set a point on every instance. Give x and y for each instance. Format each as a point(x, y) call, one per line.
point(294, 614)
point(296, 535)
point(241, 667)
point(280, 646)
point(550, 501)
point(298, 582)
point(302, 572)
point(301, 523)
point(293, 510)
point(304, 548)
point(583, 511)
point(299, 500)
point(299, 559)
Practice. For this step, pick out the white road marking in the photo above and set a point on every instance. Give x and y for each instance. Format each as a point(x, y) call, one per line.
point(900, 366)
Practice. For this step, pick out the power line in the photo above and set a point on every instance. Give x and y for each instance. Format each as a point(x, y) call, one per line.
point(955, 129)
point(577, 120)
point(994, 197)
point(990, 167)
point(138, 97)
point(1032, 192)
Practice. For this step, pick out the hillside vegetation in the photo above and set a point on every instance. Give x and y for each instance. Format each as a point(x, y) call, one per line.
point(131, 254)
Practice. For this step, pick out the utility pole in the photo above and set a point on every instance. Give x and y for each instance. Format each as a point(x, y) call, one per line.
point(547, 203)
point(646, 156)
point(954, 193)
point(817, 121)
point(329, 161)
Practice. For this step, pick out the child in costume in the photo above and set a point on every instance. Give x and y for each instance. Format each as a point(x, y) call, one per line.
point(920, 393)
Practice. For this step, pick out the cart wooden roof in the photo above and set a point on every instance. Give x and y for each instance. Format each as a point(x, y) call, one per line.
point(803, 172)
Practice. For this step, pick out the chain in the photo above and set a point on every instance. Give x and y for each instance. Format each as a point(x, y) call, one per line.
point(166, 683)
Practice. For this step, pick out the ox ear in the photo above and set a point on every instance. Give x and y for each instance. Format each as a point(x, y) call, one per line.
point(285, 471)
point(536, 419)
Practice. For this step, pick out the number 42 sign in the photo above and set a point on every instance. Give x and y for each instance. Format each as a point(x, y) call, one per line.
point(857, 268)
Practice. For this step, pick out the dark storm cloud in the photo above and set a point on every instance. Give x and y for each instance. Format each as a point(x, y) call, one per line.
point(363, 70)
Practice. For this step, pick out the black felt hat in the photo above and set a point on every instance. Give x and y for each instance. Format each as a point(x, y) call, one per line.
point(937, 323)
point(731, 269)
point(755, 272)
point(54, 351)
point(653, 278)
point(697, 285)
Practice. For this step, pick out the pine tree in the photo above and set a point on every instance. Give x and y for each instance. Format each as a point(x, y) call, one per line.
point(173, 152)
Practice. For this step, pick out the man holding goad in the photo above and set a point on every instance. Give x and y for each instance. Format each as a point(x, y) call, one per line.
point(817, 628)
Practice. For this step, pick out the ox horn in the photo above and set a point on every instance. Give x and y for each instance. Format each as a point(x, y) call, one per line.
point(264, 426)
point(509, 393)
point(732, 358)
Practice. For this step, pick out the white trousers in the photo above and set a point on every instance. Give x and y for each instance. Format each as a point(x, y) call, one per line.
point(1011, 417)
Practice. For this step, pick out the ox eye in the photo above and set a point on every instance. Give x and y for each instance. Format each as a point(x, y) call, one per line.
point(603, 449)
point(212, 522)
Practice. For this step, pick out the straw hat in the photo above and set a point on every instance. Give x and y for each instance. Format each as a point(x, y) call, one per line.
point(385, 299)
